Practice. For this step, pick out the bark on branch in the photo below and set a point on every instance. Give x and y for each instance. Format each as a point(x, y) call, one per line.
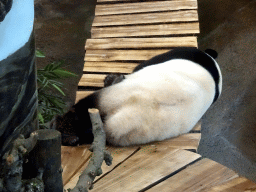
point(12, 163)
point(99, 154)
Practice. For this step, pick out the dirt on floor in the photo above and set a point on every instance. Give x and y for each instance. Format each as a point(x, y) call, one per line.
point(229, 27)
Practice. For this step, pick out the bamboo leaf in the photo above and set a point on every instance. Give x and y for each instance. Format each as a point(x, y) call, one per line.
point(56, 87)
point(57, 65)
point(63, 73)
point(40, 117)
point(39, 54)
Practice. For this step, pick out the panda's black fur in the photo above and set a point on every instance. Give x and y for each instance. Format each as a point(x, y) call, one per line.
point(163, 97)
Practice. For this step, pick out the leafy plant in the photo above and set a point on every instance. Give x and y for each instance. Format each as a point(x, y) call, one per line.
point(48, 79)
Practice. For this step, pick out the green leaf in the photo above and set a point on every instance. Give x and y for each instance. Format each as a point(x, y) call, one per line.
point(56, 87)
point(40, 117)
point(47, 67)
point(39, 54)
point(48, 79)
point(63, 73)
point(57, 65)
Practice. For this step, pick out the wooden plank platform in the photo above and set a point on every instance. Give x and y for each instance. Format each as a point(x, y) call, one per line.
point(200, 176)
point(142, 7)
point(152, 168)
point(125, 33)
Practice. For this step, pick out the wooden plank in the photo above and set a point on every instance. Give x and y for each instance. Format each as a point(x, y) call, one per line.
point(73, 181)
point(82, 94)
point(93, 80)
point(142, 7)
point(197, 177)
point(118, 1)
point(122, 55)
point(197, 127)
point(235, 185)
point(148, 18)
point(121, 1)
point(73, 158)
point(189, 141)
point(106, 1)
point(140, 43)
point(144, 168)
point(109, 67)
point(118, 154)
point(145, 30)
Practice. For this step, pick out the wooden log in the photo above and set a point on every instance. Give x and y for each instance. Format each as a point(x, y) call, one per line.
point(146, 18)
point(140, 7)
point(197, 177)
point(109, 67)
point(46, 155)
point(145, 30)
point(122, 55)
point(140, 43)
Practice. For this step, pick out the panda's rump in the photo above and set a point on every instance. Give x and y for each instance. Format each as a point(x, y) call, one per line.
point(143, 115)
point(153, 106)
point(143, 119)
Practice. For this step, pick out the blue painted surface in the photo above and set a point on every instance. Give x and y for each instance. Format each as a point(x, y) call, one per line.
point(16, 28)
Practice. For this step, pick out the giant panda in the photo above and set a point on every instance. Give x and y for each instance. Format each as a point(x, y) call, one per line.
point(164, 97)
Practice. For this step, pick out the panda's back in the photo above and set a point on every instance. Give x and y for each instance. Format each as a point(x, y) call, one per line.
point(157, 102)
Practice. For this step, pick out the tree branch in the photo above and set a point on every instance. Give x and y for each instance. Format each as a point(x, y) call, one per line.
point(13, 161)
point(99, 154)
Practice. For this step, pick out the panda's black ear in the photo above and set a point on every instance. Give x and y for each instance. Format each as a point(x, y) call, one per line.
point(212, 53)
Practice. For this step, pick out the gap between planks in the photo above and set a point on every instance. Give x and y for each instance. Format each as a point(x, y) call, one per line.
point(200, 176)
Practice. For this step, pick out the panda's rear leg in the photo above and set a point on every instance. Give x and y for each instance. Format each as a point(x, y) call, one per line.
point(112, 79)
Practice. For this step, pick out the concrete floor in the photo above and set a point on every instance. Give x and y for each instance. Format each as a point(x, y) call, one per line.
point(229, 127)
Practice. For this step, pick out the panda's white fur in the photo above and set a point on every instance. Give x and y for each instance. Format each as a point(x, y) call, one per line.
point(164, 97)
point(157, 102)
